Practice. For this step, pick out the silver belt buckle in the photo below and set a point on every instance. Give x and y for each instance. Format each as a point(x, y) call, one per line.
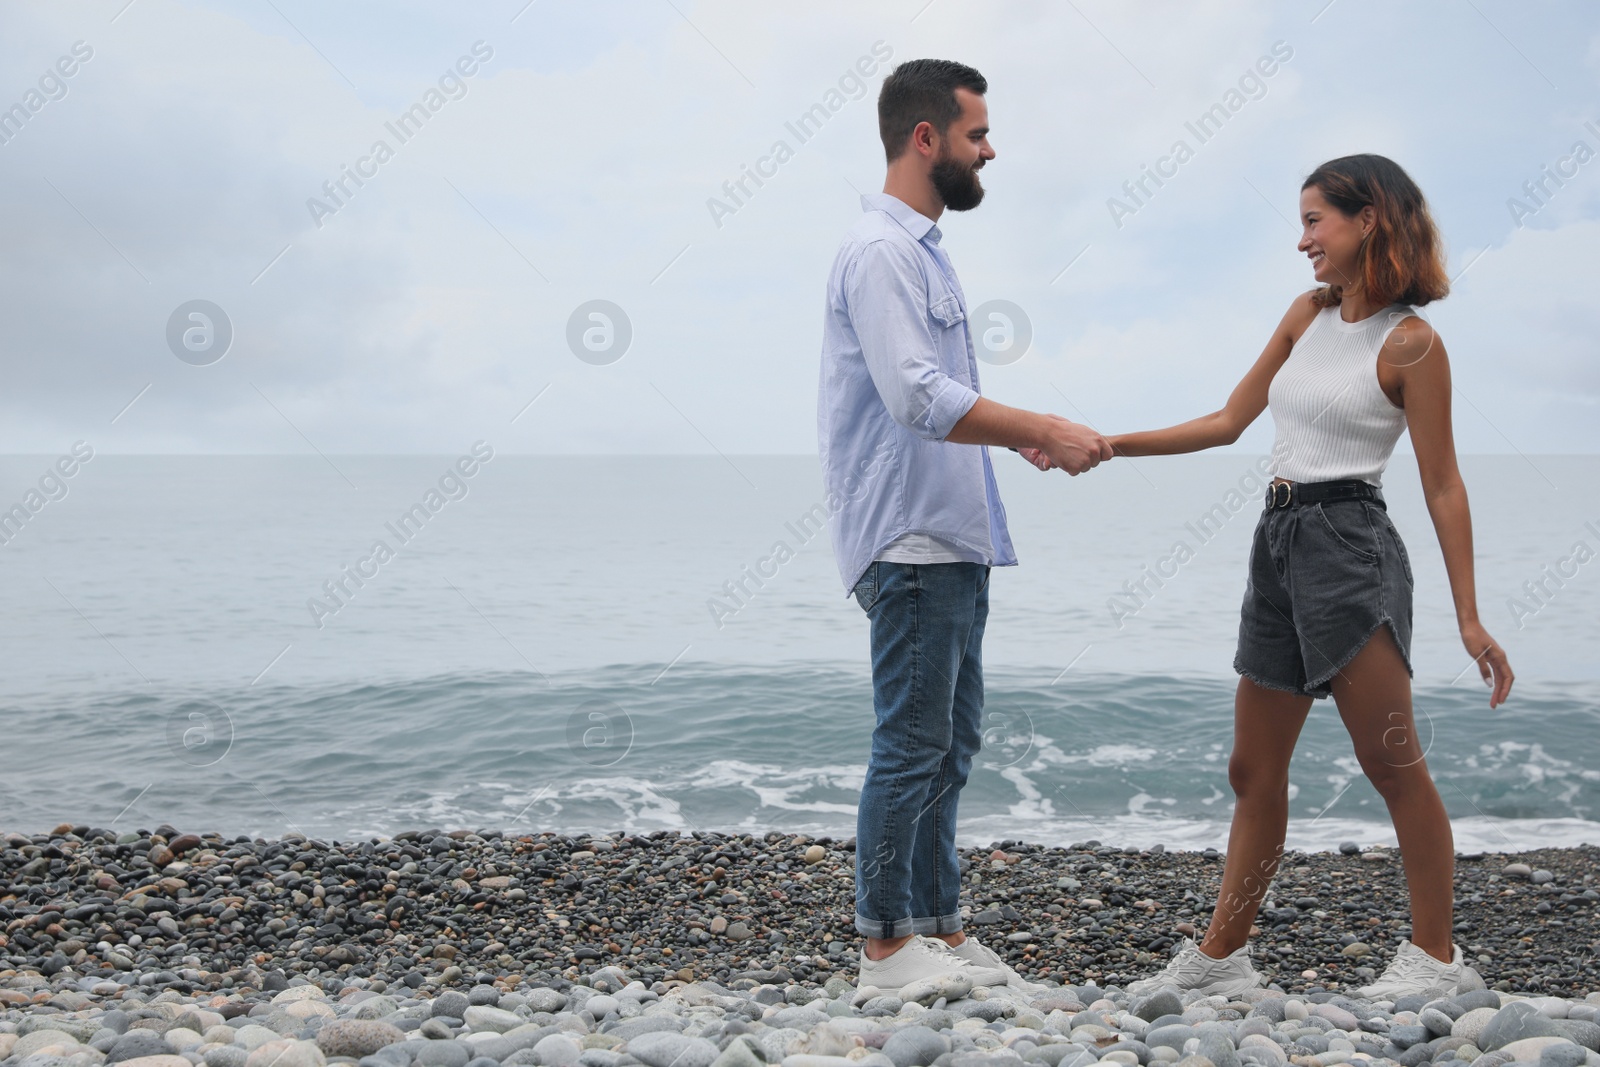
point(1276, 499)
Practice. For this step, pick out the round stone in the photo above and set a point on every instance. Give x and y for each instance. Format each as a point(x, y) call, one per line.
point(1471, 1023)
point(482, 1018)
point(1162, 1002)
point(357, 1037)
point(557, 1050)
point(545, 1000)
point(287, 1053)
point(915, 1045)
point(140, 1043)
point(667, 1049)
point(602, 1005)
point(452, 1004)
point(1568, 1055)
point(441, 1054)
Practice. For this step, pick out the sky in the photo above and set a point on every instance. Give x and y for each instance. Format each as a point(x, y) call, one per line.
point(563, 154)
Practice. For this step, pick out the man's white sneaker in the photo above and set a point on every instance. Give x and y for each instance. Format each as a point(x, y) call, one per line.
point(1190, 968)
point(1414, 971)
point(986, 958)
point(922, 957)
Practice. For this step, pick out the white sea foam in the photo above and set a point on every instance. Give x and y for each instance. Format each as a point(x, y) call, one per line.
point(1141, 829)
point(603, 805)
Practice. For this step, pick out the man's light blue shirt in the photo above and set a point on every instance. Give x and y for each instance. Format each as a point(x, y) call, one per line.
point(898, 372)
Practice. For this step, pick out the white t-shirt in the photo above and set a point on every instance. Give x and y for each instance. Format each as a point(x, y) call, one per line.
point(923, 548)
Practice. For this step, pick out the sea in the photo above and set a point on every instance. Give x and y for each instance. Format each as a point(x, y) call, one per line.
point(351, 646)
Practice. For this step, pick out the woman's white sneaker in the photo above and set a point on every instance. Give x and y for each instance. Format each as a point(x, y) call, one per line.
point(986, 958)
point(1190, 968)
point(1414, 971)
point(922, 957)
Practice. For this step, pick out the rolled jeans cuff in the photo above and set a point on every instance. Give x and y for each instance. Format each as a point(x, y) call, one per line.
point(924, 924)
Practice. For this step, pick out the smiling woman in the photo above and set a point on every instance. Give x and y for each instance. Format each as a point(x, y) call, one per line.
point(1327, 607)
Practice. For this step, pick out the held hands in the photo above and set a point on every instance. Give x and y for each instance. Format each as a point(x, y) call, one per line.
point(1491, 660)
point(1071, 446)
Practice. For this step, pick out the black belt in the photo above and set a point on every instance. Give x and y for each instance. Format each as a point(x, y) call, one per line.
point(1293, 494)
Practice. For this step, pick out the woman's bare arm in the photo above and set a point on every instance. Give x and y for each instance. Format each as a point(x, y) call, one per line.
point(1247, 401)
point(1415, 356)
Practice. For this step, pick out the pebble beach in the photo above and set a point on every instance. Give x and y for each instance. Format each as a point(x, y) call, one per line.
point(160, 948)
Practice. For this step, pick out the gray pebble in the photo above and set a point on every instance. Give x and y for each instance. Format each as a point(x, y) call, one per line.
point(1406, 1036)
point(800, 1017)
point(1562, 1055)
point(396, 1055)
point(628, 1029)
point(1515, 1021)
point(1000, 1057)
point(450, 1003)
point(375, 1008)
point(1478, 998)
point(442, 1054)
point(1171, 1036)
point(356, 1037)
point(494, 1048)
point(557, 1050)
point(663, 1049)
point(550, 1000)
point(440, 1027)
point(1582, 1032)
point(915, 1045)
point(137, 1043)
point(738, 1052)
point(1218, 1049)
point(483, 1019)
point(1162, 1002)
point(1138, 1048)
point(1437, 1022)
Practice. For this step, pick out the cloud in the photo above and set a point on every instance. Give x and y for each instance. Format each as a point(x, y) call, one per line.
point(433, 305)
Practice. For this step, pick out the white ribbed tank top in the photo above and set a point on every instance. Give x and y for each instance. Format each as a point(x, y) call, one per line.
point(1333, 419)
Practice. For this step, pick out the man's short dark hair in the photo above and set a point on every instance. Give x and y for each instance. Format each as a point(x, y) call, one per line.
point(922, 90)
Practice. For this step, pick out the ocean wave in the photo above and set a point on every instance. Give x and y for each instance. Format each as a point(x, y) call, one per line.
point(1119, 758)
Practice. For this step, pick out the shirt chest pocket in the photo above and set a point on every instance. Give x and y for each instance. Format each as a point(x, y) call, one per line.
point(945, 309)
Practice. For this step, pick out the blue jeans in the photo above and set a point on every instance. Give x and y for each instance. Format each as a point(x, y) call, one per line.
point(927, 690)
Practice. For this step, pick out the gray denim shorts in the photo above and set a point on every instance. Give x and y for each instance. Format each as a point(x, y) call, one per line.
point(1323, 578)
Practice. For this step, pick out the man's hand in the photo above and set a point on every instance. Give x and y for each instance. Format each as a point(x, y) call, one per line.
point(1071, 446)
point(1034, 456)
point(1046, 441)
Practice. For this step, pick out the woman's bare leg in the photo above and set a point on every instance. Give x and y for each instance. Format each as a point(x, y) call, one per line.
point(1374, 697)
point(1266, 724)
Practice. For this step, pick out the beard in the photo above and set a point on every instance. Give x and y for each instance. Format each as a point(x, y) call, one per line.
point(956, 183)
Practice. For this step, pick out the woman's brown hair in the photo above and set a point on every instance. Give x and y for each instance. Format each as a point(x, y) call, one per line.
point(1400, 262)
